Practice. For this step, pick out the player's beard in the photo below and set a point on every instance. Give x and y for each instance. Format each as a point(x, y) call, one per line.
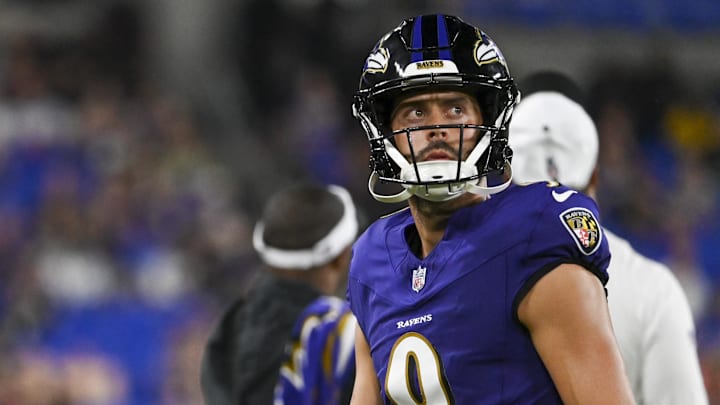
point(430, 209)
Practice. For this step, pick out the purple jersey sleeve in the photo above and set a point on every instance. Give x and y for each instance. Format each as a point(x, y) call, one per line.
point(319, 366)
point(567, 230)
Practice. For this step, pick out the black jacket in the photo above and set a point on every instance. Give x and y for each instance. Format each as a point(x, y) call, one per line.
point(242, 358)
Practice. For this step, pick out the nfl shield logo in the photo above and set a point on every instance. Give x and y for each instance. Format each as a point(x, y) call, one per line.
point(418, 279)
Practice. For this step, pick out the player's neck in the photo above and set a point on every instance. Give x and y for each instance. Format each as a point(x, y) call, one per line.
point(431, 218)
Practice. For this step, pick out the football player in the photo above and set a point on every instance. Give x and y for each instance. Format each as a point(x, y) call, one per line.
point(480, 292)
point(554, 138)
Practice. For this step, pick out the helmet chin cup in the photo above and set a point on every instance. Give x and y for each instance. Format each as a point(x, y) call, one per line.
point(435, 192)
point(427, 173)
point(436, 171)
point(441, 192)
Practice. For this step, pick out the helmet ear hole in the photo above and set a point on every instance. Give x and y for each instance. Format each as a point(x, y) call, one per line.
point(508, 154)
point(499, 156)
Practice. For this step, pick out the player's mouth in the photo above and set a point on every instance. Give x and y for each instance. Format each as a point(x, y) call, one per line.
point(438, 155)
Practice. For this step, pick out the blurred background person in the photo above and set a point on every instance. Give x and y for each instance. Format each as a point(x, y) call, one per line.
point(291, 329)
point(555, 140)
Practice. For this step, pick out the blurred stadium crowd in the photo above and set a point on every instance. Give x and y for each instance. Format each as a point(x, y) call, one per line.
point(126, 207)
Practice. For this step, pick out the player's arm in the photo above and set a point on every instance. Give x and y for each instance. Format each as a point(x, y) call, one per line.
point(567, 316)
point(672, 342)
point(366, 390)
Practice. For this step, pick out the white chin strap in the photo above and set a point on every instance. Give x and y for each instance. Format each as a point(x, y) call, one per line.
point(324, 250)
point(439, 170)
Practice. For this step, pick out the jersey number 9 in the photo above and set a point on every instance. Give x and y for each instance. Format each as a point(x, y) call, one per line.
point(415, 374)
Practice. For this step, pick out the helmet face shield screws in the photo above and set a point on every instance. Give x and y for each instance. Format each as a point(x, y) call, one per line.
point(430, 54)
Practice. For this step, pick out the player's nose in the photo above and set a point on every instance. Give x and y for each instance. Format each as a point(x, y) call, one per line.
point(436, 118)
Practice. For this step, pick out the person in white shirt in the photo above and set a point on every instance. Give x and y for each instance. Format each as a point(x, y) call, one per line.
point(554, 139)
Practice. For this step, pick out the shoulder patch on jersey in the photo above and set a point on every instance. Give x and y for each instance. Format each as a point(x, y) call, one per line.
point(584, 228)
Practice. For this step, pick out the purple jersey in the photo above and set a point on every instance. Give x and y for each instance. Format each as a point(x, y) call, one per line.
point(319, 367)
point(445, 329)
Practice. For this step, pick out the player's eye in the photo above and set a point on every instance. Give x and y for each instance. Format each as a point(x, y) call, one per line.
point(413, 114)
point(456, 110)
